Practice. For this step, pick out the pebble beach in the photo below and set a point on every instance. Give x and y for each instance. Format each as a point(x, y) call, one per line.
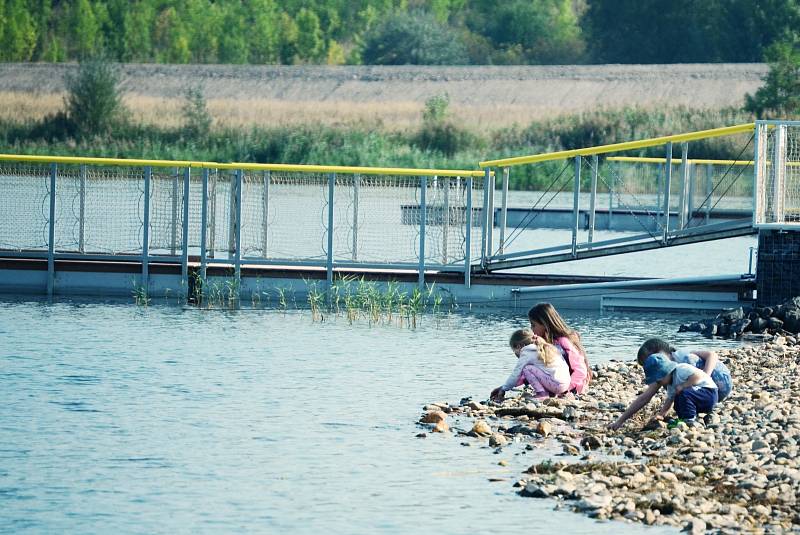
point(736, 470)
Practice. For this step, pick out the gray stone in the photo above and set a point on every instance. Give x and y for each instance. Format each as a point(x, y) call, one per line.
point(532, 490)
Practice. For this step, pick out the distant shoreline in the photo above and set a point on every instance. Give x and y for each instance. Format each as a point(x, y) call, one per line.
point(392, 97)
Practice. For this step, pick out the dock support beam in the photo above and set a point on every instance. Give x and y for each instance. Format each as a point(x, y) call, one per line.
point(237, 258)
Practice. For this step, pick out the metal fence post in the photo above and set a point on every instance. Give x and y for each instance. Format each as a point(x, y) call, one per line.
point(329, 263)
point(356, 188)
point(504, 210)
point(423, 219)
point(759, 172)
point(576, 197)
point(265, 222)
point(51, 233)
point(485, 216)
point(232, 222)
point(185, 232)
point(667, 184)
point(709, 189)
point(779, 174)
point(82, 211)
point(238, 233)
point(611, 196)
point(203, 231)
point(174, 237)
point(593, 197)
point(148, 175)
point(468, 237)
point(684, 194)
point(212, 216)
point(445, 181)
point(692, 187)
point(490, 216)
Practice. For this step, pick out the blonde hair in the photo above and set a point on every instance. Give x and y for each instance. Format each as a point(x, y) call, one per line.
point(525, 337)
point(556, 327)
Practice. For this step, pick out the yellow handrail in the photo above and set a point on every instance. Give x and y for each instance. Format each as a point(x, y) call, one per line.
point(616, 147)
point(676, 161)
point(397, 171)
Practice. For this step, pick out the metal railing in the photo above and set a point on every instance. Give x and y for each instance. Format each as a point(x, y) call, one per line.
point(777, 162)
point(662, 199)
point(240, 214)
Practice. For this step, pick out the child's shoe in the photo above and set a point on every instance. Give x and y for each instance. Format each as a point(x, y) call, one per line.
point(675, 422)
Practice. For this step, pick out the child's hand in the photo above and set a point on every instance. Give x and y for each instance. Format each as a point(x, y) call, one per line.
point(497, 394)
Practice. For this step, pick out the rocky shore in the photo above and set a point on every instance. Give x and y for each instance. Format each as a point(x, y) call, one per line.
point(736, 471)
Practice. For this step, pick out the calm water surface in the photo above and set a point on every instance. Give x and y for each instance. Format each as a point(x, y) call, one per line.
point(121, 419)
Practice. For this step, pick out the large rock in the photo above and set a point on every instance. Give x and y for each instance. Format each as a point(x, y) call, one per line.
point(791, 321)
point(732, 315)
point(590, 442)
point(433, 417)
point(497, 440)
point(481, 428)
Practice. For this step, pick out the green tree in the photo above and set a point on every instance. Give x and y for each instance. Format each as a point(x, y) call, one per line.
point(263, 35)
point(94, 101)
point(287, 38)
point(138, 32)
point(780, 95)
point(310, 43)
point(170, 37)
point(233, 40)
point(84, 30)
point(18, 33)
point(413, 39)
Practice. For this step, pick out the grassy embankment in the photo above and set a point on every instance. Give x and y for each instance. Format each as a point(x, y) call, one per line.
point(438, 143)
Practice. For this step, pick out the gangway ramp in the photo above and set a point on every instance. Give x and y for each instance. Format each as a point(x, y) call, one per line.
point(674, 200)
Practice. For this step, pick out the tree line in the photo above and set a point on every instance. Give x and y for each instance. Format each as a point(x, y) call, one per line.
point(432, 32)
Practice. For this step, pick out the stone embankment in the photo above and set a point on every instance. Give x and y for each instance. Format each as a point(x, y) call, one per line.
point(738, 470)
point(781, 319)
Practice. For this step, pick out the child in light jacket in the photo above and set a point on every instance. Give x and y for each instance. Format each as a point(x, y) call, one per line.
point(539, 364)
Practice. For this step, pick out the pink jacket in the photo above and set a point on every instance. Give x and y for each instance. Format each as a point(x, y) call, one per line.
point(579, 376)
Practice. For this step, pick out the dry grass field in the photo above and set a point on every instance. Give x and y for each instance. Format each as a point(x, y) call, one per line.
point(388, 98)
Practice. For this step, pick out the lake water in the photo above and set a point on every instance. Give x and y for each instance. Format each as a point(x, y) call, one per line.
point(121, 419)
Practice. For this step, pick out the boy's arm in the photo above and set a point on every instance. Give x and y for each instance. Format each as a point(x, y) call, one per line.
point(635, 406)
point(711, 359)
point(662, 412)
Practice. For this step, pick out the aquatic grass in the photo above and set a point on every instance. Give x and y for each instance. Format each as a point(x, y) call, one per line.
point(140, 296)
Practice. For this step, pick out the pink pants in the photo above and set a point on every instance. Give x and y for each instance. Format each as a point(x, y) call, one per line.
point(542, 383)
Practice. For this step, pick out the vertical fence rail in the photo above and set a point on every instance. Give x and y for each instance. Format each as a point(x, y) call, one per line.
point(593, 198)
point(709, 188)
point(504, 210)
point(203, 231)
point(484, 216)
point(174, 227)
point(423, 219)
point(185, 237)
point(265, 218)
point(148, 175)
point(684, 196)
point(238, 231)
point(51, 233)
point(759, 170)
point(667, 184)
point(576, 197)
point(468, 237)
point(490, 178)
point(329, 261)
point(779, 174)
point(445, 182)
point(82, 210)
point(356, 191)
